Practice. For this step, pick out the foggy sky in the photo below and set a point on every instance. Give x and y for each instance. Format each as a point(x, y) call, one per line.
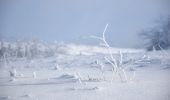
point(75, 20)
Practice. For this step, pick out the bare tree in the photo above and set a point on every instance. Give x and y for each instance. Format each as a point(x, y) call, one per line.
point(157, 38)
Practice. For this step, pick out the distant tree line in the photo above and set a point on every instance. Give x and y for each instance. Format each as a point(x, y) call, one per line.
point(30, 49)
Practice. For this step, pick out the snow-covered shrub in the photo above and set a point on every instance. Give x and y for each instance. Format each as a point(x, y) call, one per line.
point(62, 49)
point(33, 49)
point(57, 67)
point(99, 65)
point(13, 73)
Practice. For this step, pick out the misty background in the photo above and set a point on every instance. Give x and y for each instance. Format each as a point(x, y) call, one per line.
point(73, 21)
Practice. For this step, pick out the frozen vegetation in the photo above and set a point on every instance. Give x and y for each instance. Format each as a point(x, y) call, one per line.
point(57, 71)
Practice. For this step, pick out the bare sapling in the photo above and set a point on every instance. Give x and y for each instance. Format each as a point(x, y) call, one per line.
point(102, 71)
point(79, 77)
point(116, 63)
point(5, 60)
point(34, 75)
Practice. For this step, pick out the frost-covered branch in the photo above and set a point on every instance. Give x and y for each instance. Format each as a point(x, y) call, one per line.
point(116, 64)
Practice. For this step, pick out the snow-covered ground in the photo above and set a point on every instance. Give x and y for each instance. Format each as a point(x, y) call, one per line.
point(78, 75)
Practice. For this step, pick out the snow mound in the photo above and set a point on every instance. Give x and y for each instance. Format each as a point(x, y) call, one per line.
point(68, 76)
point(87, 88)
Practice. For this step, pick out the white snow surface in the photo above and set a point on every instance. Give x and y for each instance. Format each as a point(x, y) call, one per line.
point(76, 75)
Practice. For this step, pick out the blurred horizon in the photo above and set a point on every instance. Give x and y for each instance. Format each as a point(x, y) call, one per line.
point(74, 21)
